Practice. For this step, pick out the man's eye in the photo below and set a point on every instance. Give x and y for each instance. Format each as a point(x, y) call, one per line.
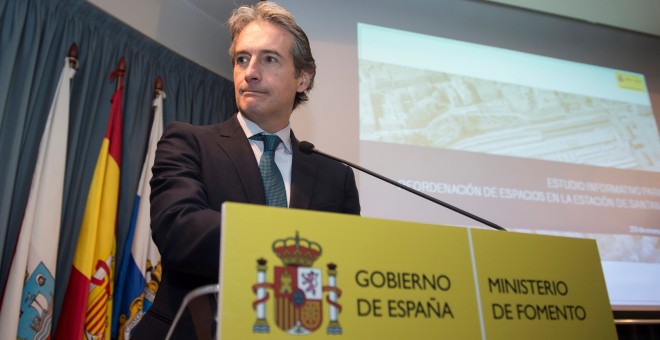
point(241, 60)
point(271, 59)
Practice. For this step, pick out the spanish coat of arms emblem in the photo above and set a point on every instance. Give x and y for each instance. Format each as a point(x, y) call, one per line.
point(298, 290)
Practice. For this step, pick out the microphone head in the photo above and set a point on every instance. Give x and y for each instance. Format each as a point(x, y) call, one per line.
point(306, 147)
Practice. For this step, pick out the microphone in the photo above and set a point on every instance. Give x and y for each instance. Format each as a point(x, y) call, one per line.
point(308, 148)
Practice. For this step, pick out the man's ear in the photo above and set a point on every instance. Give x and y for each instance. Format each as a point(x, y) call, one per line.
point(303, 81)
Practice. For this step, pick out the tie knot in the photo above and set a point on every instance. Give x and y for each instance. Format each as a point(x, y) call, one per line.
point(270, 141)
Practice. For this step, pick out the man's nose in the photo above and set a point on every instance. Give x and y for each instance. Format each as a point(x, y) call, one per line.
point(253, 71)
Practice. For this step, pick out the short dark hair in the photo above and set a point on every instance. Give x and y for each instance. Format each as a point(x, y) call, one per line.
point(278, 15)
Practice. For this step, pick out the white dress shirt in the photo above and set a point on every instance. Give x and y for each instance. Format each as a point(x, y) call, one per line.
point(283, 155)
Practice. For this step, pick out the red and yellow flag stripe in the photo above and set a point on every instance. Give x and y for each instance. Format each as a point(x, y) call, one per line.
point(87, 308)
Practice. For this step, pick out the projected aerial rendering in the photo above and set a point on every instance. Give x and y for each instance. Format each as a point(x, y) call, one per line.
point(419, 107)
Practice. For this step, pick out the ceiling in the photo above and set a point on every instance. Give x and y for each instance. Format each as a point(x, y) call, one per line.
point(639, 16)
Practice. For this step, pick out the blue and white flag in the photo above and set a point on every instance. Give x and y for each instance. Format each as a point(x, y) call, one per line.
point(27, 306)
point(138, 276)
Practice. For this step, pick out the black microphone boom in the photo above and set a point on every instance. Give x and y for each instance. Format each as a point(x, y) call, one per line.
point(308, 148)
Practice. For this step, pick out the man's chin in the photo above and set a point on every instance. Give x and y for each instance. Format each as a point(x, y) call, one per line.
point(251, 112)
point(248, 106)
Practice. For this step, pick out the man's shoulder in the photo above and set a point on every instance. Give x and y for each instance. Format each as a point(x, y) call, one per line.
point(193, 129)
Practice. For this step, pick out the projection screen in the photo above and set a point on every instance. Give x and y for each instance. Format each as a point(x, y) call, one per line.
point(538, 123)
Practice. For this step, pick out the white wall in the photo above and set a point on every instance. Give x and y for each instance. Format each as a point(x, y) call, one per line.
point(182, 26)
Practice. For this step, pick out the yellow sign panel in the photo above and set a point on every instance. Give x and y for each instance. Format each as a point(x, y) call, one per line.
point(630, 82)
point(288, 272)
point(280, 268)
point(545, 286)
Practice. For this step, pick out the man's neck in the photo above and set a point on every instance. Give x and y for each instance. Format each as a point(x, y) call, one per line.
point(252, 127)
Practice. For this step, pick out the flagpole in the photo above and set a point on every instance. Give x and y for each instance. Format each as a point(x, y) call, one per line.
point(73, 56)
point(119, 73)
point(158, 87)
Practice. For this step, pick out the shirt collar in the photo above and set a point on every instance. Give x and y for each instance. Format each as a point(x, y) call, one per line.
point(251, 128)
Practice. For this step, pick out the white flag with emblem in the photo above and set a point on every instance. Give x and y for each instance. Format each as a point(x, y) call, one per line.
point(27, 306)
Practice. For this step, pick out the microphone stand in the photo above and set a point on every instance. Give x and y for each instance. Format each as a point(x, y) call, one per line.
point(307, 147)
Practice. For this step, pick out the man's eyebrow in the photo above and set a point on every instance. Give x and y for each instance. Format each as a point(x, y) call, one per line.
point(264, 51)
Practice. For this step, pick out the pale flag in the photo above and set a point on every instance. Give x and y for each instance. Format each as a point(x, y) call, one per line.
point(140, 271)
point(27, 307)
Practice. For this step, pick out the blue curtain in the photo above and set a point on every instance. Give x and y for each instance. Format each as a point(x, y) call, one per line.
point(35, 37)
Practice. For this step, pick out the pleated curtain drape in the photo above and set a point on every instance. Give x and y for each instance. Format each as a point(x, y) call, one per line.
point(35, 36)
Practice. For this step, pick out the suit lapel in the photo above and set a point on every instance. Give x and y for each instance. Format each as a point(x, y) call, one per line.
point(232, 140)
point(303, 176)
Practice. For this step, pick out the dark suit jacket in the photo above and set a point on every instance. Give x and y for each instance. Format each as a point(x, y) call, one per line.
point(196, 169)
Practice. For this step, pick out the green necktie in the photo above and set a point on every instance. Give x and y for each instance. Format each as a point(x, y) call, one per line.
point(270, 173)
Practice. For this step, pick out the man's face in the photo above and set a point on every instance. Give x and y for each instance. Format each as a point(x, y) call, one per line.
point(265, 81)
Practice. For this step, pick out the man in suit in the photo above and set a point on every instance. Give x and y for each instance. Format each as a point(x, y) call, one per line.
point(197, 168)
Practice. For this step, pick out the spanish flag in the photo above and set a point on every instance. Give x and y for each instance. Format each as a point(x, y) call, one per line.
point(87, 305)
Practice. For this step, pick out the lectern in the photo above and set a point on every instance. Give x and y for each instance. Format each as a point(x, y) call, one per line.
point(287, 273)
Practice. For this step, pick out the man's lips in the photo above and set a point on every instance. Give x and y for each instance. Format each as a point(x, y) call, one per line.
point(252, 92)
